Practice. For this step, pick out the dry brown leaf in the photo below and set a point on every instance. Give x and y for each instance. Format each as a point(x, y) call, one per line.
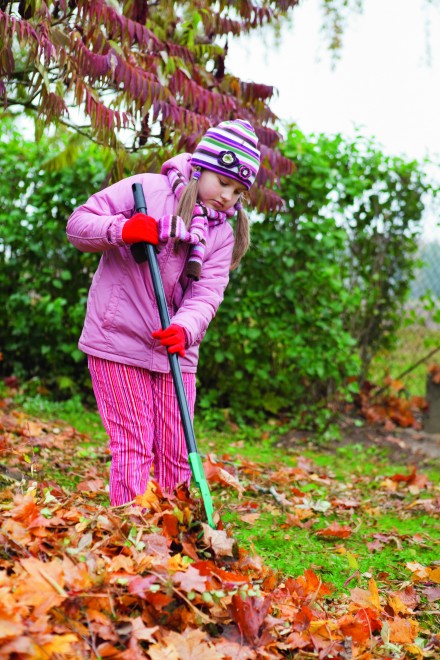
point(141, 632)
point(191, 644)
point(219, 541)
point(190, 580)
point(250, 518)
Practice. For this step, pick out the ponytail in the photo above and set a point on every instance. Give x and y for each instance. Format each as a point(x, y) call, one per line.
point(242, 238)
point(187, 202)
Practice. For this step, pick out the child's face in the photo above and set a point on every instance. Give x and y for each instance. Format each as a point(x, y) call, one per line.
point(217, 191)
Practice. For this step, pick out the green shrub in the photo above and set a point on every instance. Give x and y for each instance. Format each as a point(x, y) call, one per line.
point(322, 288)
point(379, 201)
point(318, 294)
point(43, 279)
point(278, 343)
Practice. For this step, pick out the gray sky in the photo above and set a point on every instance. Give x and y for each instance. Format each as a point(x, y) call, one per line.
point(386, 82)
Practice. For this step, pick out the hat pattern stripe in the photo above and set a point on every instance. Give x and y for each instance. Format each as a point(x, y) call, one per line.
point(199, 160)
point(247, 136)
point(213, 153)
point(214, 147)
point(236, 138)
point(235, 146)
point(240, 126)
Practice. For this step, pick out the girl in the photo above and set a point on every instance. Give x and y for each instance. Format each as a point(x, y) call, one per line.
point(192, 200)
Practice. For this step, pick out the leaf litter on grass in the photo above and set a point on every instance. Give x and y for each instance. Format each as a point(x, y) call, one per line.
point(80, 579)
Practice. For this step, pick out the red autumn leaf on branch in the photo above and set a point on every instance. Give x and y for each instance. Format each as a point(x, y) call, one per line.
point(140, 78)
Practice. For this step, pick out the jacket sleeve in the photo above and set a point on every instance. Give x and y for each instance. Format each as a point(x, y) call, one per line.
point(97, 225)
point(203, 297)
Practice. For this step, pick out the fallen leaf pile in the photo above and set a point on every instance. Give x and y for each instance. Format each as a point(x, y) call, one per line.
point(390, 405)
point(79, 579)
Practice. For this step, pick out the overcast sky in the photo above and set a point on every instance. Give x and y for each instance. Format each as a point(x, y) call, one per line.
point(387, 80)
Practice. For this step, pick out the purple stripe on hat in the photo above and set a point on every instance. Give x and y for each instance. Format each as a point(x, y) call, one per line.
point(242, 135)
point(232, 143)
point(210, 150)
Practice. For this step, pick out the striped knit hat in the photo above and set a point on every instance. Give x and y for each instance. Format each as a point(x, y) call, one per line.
point(231, 149)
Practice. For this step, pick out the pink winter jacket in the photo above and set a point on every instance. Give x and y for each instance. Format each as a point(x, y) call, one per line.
point(121, 307)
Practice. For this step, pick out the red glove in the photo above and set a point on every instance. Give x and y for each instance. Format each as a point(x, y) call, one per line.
point(173, 337)
point(140, 228)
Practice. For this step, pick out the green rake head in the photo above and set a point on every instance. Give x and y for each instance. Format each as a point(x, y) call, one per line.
point(199, 477)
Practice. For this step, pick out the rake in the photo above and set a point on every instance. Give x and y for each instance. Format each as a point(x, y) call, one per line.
point(146, 252)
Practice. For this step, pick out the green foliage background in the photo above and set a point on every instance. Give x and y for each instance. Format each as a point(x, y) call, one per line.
point(318, 294)
point(322, 289)
point(43, 279)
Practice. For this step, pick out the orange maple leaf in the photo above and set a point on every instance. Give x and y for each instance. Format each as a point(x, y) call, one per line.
point(59, 644)
point(335, 530)
point(403, 631)
point(309, 585)
point(359, 625)
point(150, 499)
point(366, 597)
point(41, 585)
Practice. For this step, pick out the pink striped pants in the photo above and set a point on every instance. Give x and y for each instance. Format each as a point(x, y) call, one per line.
point(141, 415)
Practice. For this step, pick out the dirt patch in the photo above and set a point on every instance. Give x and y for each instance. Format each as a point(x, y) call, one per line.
point(403, 446)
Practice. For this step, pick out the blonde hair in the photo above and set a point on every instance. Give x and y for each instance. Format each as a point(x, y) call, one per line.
point(242, 241)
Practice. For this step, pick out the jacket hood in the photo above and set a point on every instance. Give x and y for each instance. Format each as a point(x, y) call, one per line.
point(181, 163)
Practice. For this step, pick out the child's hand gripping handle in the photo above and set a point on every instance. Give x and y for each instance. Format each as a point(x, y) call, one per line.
point(139, 250)
point(146, 252)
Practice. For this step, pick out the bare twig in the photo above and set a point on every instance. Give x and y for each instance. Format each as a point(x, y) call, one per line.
point(407, 371)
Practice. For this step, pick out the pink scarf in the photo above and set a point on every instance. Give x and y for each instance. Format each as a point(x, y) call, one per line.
point(203, 217)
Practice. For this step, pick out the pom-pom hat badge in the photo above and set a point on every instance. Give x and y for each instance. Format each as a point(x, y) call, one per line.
point(231, 149)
